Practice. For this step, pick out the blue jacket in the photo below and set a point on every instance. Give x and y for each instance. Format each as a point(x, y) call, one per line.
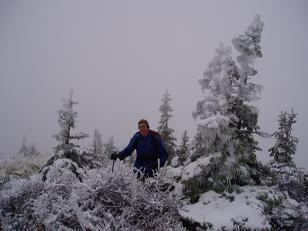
point(149, 149)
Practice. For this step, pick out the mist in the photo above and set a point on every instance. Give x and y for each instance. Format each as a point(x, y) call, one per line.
point(121, 56)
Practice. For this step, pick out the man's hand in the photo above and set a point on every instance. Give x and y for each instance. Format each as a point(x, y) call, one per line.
point(114, 156)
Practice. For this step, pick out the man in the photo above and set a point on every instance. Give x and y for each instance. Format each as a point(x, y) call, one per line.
point(149, 149)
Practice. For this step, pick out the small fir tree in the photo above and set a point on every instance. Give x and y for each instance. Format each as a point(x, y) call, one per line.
point(67, 120)
point(184, 148)
point(285, 146)
point(164, 130)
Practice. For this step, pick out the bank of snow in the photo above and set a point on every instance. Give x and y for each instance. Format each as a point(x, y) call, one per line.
point(227, 212)
point(191, 169)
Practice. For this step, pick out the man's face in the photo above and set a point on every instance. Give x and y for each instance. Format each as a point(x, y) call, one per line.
point(143, 128)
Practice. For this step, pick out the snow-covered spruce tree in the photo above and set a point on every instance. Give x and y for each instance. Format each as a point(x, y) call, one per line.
point(67, 120)
point(109, 147)
point(285, 145)
point(226, 121)
point(66, 152)
point(184, 148)
point(97, 146)
point(289, 177)
point(33, 151)
point(248, 45)
point(164, 130)
point(214, 139)
point(28, 151)
point(23, 150)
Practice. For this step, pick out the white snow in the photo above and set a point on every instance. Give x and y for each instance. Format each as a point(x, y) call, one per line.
point(174, 172)
point(194, 168)
point(214, 121)
point(220, 211)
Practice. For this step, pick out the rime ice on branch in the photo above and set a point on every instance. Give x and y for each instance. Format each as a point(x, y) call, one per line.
point(226, 119)
point(67, 120)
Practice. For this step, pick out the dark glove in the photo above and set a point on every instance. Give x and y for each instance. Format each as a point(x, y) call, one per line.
point(114, 156)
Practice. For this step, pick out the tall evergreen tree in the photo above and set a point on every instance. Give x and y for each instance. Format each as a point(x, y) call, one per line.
point(285, 145)
point(67, 120)
point(165, 131)
point(248, 45)
point(226, 120)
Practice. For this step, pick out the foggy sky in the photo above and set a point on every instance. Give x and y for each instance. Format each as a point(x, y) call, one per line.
point(121, 56)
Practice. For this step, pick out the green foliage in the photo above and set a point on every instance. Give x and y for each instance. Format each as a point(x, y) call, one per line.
point(270, 203)
point(183, 150)
point(285, 145)
point(164, 130)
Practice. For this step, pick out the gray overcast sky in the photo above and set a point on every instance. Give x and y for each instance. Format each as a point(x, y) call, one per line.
point(121, 56)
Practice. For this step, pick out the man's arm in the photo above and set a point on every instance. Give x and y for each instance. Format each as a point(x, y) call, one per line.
point(130, 147)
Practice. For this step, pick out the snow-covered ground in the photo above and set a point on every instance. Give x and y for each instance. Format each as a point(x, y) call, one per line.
point(252, 207)
point(90, 197)
point(226, 212)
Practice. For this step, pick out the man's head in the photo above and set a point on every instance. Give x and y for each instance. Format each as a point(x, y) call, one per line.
point(143, 126)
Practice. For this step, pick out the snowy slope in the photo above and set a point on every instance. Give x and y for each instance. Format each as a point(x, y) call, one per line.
point(223, 212)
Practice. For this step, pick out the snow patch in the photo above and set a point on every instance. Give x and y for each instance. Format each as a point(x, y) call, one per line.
point(195, 168)
point(222, 211)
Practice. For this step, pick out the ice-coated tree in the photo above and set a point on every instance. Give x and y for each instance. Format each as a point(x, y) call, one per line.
point(23, 150)
point(97, 145)
point(28, 151)
point(248, 45)
point(215, 135)
point(288, 177)
point(164, 130)
point(285, 145)
point(32, 151)
point(226, 120)
point(212, 115)
point(67, 120)
point(184, 148)
point(109, 147)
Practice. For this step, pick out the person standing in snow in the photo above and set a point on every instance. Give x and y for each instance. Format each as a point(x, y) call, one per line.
point(149, 149)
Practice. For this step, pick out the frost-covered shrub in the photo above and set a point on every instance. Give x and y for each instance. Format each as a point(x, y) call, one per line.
point(282, 211)
point(121, 202)
point(16, 204)
point(71, 159)
point(291, 179)
point(71, 197)
point(19, 168)
point(52, 207)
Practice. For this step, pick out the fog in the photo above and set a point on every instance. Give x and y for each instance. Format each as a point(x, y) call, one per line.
point(121, 56)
